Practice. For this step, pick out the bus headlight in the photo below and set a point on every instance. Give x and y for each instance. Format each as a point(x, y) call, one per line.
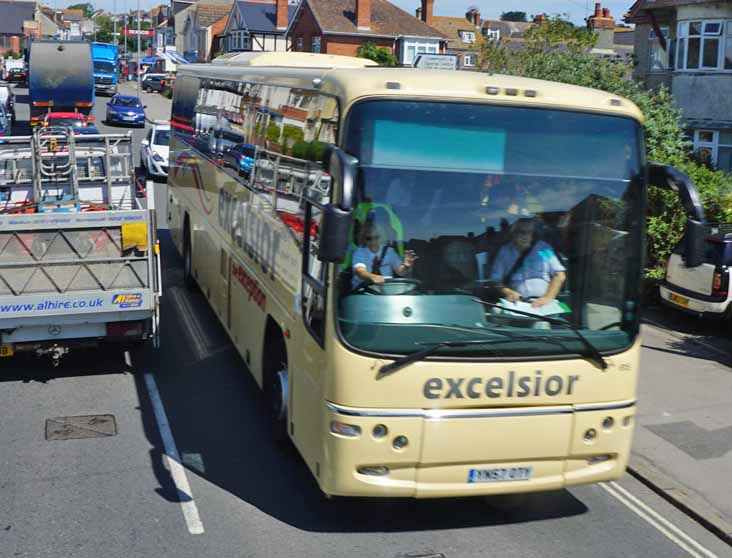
point(343, 429)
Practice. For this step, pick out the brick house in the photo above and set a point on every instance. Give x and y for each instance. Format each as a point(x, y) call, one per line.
point(464, 37)
point(12, 32)
point(218, 35)
point(342, 26)
point(196, 34)
point(686, 45)
point(256, 26)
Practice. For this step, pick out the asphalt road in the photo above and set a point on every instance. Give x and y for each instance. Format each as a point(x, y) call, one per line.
point(115, 494)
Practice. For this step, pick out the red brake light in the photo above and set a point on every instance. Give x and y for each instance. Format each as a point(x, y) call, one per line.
point(719, 284)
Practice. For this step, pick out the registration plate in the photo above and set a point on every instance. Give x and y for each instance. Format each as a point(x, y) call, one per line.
point(680, 300)
point(6, 351)
point(500, 474)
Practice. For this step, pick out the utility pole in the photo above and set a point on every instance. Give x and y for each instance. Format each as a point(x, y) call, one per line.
point(114, 25)
point(139, 56)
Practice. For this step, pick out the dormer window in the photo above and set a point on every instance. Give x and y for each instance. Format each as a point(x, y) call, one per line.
point(492, 34)
point(467, 36)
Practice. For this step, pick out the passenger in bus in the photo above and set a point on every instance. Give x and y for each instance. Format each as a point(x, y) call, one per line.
point(528, 268)
point(374, 261)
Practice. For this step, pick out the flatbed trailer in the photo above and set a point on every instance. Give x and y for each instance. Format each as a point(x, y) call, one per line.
point(79, 255)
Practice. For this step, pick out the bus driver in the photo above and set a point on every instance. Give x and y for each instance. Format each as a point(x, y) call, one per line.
point(372, 262)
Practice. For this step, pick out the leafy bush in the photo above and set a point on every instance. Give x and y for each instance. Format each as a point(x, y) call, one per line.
point(557, 51)
point(381, 55)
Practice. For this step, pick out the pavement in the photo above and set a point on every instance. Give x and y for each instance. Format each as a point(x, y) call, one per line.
point(117, 495)
point(683, 440)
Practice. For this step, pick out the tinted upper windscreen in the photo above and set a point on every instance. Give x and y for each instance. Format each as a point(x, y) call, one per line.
point(488, 138)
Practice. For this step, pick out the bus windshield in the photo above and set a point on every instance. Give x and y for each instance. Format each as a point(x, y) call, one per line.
point(465, 212)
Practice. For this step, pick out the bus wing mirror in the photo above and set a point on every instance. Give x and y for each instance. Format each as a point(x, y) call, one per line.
point(694, 239)
point(343, 169)
point(335, 225)
point(667, 177)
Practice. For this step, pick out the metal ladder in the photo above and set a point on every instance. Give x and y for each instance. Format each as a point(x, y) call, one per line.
point(54, 168)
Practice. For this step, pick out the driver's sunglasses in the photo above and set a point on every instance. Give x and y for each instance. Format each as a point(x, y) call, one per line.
point(373, 237)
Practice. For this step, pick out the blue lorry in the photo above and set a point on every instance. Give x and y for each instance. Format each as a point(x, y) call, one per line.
point(106, 67)
point(60, 78)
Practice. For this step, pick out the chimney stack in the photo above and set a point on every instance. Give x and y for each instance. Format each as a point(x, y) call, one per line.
point(418, 13)
point(427, 10)
point(282, 17)
point(363, 14)
point(473, 16)
point(603, 24)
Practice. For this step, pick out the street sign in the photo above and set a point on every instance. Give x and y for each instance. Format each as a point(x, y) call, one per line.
point(436, 61)
point(143, 32)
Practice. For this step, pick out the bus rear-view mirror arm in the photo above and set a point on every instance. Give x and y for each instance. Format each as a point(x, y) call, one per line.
point(671, 178)
point(335, 224)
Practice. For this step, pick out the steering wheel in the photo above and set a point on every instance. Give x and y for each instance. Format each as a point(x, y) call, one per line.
point(391, 286)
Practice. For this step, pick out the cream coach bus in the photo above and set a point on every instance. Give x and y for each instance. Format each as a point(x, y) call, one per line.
point(434, 276)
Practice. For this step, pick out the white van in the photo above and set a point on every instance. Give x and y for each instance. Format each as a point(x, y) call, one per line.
point(703, 290)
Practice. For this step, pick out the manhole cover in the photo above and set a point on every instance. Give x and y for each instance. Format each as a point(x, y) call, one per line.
point(90, 426)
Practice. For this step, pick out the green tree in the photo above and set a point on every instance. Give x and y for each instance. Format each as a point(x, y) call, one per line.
point(381, 55)
point(88, 8)
point(104, 29)
point(273, 132)
point(558, 51)
point(513, 16)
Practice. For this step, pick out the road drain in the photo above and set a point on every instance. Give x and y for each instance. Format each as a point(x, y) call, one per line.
point(90, 426)
point(420, 555)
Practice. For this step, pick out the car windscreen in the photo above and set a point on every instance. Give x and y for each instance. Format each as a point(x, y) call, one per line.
point(161, 137)
point(123, 102)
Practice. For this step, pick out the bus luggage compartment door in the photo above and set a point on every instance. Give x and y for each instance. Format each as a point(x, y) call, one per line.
point(458, 452)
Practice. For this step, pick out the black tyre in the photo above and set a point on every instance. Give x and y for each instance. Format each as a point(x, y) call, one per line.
point(188, 279)
point(276, 387)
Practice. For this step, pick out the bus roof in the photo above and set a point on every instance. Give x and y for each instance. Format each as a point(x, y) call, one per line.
point(351, 79)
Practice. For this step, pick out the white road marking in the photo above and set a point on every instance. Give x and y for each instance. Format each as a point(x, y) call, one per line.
point(177, 471)
point(664, 526)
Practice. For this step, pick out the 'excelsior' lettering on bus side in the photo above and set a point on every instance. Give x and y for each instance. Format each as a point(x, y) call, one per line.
point(496, 387)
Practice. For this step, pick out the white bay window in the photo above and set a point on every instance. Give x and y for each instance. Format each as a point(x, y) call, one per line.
point(704, 45)
point(714, 146)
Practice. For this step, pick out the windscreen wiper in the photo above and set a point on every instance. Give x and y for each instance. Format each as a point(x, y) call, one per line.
point(424, 353)
point(591, 353)
point(435, 347)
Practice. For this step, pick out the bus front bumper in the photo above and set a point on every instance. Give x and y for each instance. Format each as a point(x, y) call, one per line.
point(469, 452)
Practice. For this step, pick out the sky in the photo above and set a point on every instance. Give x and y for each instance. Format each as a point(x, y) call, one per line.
point(489, 9)
point(492, 9)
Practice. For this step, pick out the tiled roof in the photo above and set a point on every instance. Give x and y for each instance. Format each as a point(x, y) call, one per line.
point(219, 26)
point(451, 27)
point(262, 16)
point(339, 16)
point(507, 28)
point(13, 15)
point(209, 14)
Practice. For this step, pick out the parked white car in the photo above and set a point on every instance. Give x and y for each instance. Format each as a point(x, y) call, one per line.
point(703, 290)
point(154, 151)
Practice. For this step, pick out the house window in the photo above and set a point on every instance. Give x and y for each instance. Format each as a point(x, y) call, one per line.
point(704, 45)
point(492, 34)
point(315, 45)
point(299, 44)
point(469, 60)
point(239, 40)
point(412, 48)
point(659, 56)
point(467, 36)
point(714, 146)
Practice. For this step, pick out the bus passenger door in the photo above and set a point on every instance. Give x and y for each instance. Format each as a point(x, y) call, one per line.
point(308, 378)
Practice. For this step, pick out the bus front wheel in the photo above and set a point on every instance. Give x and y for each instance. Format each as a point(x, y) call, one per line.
point(276, 385)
